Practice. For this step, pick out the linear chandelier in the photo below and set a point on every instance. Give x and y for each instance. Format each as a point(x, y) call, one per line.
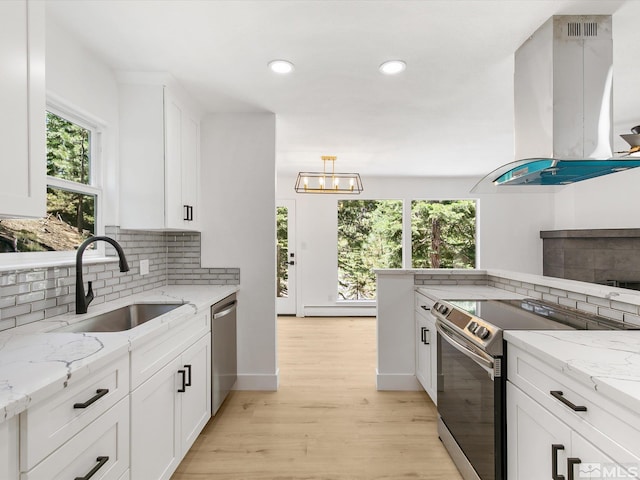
point(328, 182)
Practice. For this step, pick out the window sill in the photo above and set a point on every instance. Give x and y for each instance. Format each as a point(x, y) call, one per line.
point(35, 263)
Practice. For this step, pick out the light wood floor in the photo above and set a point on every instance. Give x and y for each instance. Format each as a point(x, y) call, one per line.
point(327, 421)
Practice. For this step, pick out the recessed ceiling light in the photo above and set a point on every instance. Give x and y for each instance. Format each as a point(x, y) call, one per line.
point(281, 66)
point(392, 67)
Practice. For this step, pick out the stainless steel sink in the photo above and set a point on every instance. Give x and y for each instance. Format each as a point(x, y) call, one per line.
point(124, 318)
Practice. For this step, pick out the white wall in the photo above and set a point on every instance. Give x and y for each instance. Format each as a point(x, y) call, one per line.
point(508, 231)
point(611, 201)
point(76, 77)
point(238, 230)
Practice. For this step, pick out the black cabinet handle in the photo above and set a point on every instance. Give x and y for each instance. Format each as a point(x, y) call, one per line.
point(184, 384)
point(188, 213)
point(554, 461)
point(188, 382)
point(571, 462)
point(424, 307)
point(424, 336)
point(557, 394)
point(101, 461)
point(101, 392)
point(422, 331)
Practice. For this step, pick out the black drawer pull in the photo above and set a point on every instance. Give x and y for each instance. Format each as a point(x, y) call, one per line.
point(188, 213)
point(571, 462)
point(557, 394)
point(188, 382)
point(101, 461)
point(424, 307)
point(554, 461)
point(184, 383)
point(101, 392)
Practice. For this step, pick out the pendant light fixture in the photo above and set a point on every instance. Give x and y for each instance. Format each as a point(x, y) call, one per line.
point(328, 181)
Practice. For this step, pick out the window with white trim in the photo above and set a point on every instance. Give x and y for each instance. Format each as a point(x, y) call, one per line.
point(73, 190)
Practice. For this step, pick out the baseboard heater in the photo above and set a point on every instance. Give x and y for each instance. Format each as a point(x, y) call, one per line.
point(346, 310)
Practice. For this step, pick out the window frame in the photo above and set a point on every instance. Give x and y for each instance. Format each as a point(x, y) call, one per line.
point(407, 250)
point(97, 127)
point(369, 301)
point(409, 231)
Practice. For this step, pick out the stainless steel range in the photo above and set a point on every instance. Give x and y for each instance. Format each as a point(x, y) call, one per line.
point(472, 373)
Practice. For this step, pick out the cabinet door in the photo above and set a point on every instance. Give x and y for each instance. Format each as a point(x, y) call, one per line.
point(591, 462)
point(22, 96)
point(423, 351)
point(531, 433)
point(182, 150)
point(426, 353)
point(190, 168)
point(195, 408)
point(9, 449)
point(155, 450)
point(174, 211)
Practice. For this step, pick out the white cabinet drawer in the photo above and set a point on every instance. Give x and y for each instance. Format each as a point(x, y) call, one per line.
point(605, 423)
point(50, 423)
point(108, 436)
point(150, 357)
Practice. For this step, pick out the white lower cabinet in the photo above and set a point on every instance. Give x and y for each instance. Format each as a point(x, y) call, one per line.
point(557, 429)
point(9, 449)
point(48, 424)
point(82, 429)
point(102, 448)
point(541, 446)
point(426, 346)
point(195, 408)
point(169, 410)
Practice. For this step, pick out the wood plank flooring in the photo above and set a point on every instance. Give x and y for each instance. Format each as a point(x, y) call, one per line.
point(326, 422)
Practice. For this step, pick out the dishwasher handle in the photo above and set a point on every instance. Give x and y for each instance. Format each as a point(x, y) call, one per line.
point(225, 309)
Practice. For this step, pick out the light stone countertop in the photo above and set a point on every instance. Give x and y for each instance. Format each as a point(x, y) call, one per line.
point(467, 292)
point(605, 361)
point(36, 362)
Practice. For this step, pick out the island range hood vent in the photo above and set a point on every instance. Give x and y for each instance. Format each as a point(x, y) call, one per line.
point(563, 118)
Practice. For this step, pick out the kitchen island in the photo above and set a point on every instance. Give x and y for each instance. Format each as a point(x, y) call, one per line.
point(572, 395)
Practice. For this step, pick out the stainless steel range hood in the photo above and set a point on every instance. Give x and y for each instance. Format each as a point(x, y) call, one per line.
point(563, 108)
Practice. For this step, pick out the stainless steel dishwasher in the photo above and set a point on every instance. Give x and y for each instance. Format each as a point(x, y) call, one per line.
point(224, 363)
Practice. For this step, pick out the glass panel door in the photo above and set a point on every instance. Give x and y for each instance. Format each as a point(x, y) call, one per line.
point(285, 258)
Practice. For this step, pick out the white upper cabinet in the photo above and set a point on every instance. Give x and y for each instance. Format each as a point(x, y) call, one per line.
point(22, 97)
point(159, 157)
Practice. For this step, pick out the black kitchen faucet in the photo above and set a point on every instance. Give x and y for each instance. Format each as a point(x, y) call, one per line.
point(82, 300)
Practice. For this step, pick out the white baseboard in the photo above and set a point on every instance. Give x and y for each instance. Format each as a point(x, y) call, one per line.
point(258, 382)
point(397, 381)
point(339, 311)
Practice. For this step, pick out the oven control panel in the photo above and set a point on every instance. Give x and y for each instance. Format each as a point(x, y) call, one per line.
point(480, 332)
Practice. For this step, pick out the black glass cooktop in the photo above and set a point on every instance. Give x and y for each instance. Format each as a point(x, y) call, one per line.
point(531, 314)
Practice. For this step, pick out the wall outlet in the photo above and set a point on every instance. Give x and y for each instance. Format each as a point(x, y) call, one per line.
point(144, 267)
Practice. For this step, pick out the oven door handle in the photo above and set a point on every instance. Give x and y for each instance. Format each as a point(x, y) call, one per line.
point(485, 362)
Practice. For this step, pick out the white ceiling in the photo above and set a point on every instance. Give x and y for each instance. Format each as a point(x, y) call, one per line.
point(450, 113)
